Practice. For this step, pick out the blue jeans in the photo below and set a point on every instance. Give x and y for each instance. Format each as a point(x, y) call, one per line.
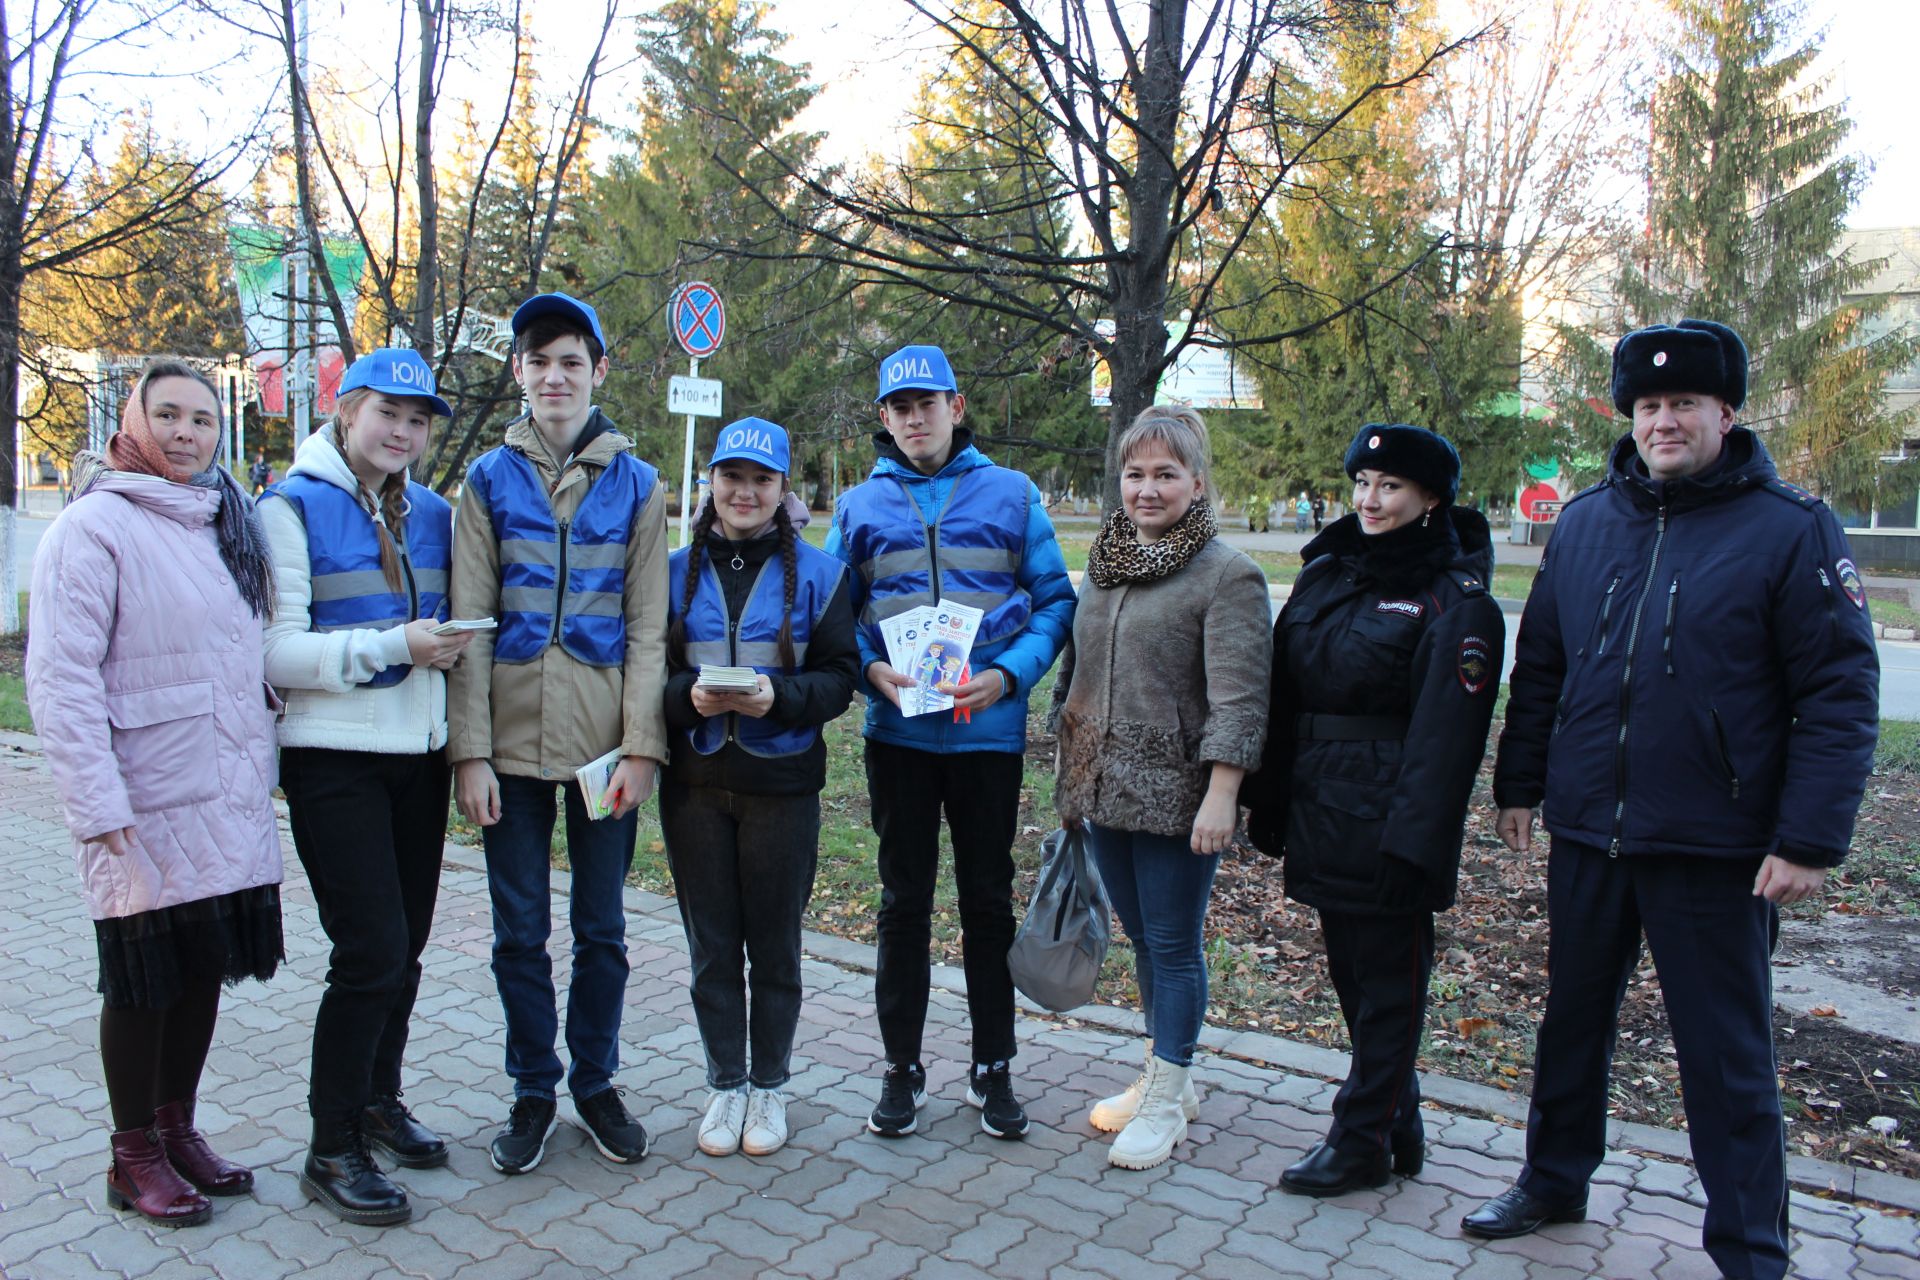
point(518, 864)
point(1159, 889)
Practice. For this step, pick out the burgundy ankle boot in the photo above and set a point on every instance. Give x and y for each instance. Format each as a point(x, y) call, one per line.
point(141, 1179)
point(191, 1155)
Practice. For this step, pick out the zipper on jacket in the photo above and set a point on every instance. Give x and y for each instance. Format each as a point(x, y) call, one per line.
point(1726, 755)
point(1666, 635)
point(559, 580)
point(1606, 608)
point(1626, 686)
point(413, 588)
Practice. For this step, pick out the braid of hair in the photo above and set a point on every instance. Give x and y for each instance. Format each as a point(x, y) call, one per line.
point(696, 548)
point(393, 513)
point(790, 572)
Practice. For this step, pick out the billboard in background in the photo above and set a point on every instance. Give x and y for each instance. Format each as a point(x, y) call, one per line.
point(1204, 377)
point(260, 272)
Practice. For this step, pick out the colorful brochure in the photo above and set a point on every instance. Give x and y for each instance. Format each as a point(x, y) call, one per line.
point(931, 643)
point(594, 777)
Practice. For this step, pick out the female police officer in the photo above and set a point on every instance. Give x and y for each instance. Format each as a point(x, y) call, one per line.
point(1386, 662)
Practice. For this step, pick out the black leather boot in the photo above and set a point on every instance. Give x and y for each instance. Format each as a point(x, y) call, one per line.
point(342, 1176)
point(1409, 1154)
point(391, 1128)
point(1329, 1172)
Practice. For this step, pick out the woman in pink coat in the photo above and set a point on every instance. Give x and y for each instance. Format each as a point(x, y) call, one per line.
point(144, 673)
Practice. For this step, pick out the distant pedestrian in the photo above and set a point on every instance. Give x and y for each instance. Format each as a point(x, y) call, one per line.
point(1386, 664)
point(260, 473)
point(1302, 512)
point(144, 674)
point(740, 798)
point(1164, 711)
point(1319, 511)
point(361, 555)
point(1695, 699)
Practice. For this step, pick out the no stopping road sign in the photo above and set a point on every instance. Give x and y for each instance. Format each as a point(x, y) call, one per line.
point(697, 317)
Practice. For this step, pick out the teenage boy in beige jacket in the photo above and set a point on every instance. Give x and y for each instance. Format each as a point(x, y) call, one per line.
point(561, 536)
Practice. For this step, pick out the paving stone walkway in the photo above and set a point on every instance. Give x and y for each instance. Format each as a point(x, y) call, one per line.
point(838, 1201)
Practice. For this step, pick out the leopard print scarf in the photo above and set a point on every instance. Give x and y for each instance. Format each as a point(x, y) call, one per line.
point(1119, 557)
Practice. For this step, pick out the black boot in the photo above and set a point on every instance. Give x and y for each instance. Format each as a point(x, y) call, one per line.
point(1409, 1154)
point(343, 1177)
point(391, 1128)
point(1327, 1171)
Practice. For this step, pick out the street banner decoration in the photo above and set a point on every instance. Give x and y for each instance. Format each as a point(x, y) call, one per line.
point(260, 272)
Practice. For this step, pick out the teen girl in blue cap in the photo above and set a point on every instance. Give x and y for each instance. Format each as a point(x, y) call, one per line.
point(740, 799)
point(361, 557)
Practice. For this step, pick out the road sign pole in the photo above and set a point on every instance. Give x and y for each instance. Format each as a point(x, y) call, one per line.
point(686, 464)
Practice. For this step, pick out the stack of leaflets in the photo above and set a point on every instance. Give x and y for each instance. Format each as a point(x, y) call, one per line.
point(932, 644)
point(594, 777)
point(728, 679)
point(458, 625)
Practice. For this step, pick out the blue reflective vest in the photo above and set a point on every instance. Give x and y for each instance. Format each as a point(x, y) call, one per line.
point(343, 553)
point(974, 545)
point(563, 580)
point(756, 642)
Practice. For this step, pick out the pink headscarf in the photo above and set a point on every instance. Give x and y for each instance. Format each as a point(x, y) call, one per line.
point(134, 447)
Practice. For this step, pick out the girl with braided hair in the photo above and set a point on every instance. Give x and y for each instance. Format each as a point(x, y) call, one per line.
point(362, 555)
point(740, 799)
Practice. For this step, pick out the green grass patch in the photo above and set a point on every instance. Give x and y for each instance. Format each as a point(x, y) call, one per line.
point(1899, 747)
point(1891, 613)
point(14, 716)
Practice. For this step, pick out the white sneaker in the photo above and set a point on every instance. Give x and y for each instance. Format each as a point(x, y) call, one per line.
point(765, 1131)
point(726, 1114)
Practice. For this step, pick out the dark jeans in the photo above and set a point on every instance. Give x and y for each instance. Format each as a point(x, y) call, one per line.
point(743, 870)
point(1380, 965)
point(1711, 940)
point(980, 792)
point(369, 828)
point(1159, 888)
point(518, 864)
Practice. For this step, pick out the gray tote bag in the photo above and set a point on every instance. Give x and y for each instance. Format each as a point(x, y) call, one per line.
point(1055, 958)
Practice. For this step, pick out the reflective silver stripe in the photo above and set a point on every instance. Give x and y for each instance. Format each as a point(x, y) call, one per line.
point(980, 559)
point(596, 555)
point(766, 653)
point(594, 604)
point(431, 580)
point(526, 599)
point(710, 652)
point(375, 624)
point(527, 551)
point(985, 601)
point(894, 563)
point(878, 611)
point(346, 586)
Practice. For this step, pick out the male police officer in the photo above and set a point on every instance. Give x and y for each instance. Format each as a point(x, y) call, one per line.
point(938, 521)
point(562, 537)
point(1696, 699)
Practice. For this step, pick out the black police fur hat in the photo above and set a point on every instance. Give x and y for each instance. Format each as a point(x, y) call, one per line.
point(1701, 356)
point(1412, 453)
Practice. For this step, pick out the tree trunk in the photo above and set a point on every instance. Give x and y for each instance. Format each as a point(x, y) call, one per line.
point(12, 278)
point(1139, 280)
point(426, 301)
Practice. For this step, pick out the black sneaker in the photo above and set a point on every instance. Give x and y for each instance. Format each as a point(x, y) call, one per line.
point(617, 1134)
point(903, 1091)
point(391, 1128)
point(991, 1089)
point(520, 1145)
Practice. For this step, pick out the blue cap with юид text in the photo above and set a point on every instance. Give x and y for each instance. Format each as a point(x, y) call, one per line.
point(394, 371)
point(915, 369)
point(752, 440)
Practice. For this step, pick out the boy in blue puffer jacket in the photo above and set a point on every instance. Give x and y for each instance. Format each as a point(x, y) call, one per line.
point(938, 521)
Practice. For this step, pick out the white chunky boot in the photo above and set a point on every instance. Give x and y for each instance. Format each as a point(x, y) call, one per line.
point(1159, 1124)
point(1110, 1115)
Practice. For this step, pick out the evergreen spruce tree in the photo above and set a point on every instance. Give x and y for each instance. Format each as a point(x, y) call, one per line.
point(1748, 196)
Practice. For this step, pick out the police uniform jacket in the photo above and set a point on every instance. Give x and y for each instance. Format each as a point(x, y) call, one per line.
point(1386, 666)
point(1695, 671)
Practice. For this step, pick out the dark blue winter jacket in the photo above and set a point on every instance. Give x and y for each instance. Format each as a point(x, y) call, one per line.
point(1695, 671)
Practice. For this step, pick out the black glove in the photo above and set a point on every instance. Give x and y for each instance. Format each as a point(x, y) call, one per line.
point(1399, 885)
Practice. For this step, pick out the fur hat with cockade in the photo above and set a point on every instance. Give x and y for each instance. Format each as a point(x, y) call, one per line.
point(1701, 356)
point(1412, 453)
